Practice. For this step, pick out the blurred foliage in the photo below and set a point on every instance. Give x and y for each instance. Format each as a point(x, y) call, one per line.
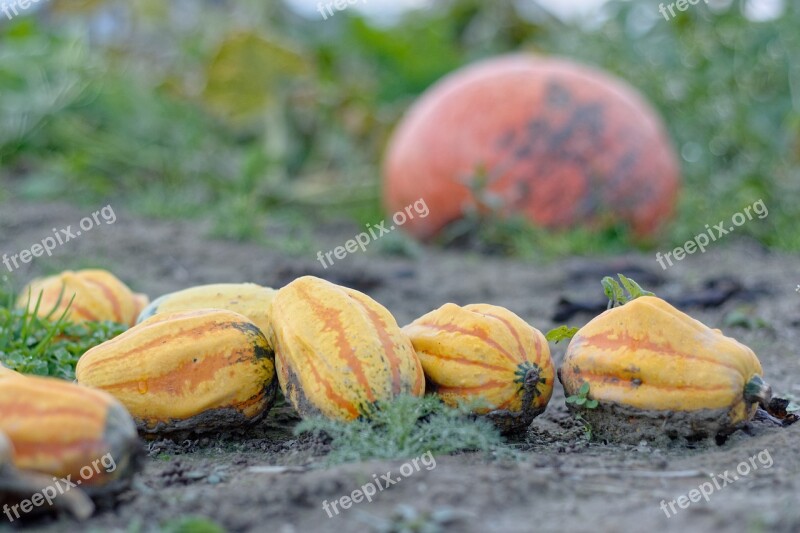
point(246, 112)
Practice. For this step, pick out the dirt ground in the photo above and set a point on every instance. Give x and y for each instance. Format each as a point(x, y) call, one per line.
point(563, 484)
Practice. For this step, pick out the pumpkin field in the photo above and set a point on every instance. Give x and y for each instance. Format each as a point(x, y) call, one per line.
point(399, 266)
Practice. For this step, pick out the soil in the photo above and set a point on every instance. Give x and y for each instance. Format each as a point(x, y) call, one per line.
point(271, 480)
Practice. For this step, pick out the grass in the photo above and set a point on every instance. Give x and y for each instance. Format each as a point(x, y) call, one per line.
point(404, 428)
point(46, 346)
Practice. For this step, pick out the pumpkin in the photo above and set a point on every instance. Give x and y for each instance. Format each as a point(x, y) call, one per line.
point(61, 429)
point(98, 296)
point(338, 351)
point(185, 373)
point(247, 299)
point(654, 370)
point(562, 144)
point(488, 357)
point(17, 486)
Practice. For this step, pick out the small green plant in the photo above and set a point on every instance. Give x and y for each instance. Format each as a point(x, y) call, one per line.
point(587, 427)
point(582, 398)
point(561, 333)
point(405, 427)
point(192, 524)
point(616, 293)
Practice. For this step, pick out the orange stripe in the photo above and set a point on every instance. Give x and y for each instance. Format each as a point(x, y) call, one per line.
point(513, 333)
point(462, 360)
point(329, 316)
point(188, 376)
point(19, 409)
point(329, 392)
point(478, 333)
point(110, 296)
point(468, 390)
point(613, 380)
point(192, 333)
point(388, 345)
point(603, 341)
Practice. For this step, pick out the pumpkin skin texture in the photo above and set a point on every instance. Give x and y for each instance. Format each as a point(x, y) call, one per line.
point(338, 351)
point(563, 144)
point(655, 370)
point(247, 299)
point(99, 296)
point(487, 356)
point(57, 428)
point(7, 372)
point(184, 373)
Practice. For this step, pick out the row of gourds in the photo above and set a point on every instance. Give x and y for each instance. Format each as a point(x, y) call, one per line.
point(212, 357)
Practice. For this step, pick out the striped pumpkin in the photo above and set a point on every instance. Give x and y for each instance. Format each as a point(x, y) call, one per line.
point(338, 351)
point(247, 299)
point(487, 357)
point(651, 362)
point(98, 294)
point(187, 372)
point(62, 429)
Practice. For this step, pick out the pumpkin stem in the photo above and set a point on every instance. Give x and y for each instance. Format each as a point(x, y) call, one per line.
point(757, 390)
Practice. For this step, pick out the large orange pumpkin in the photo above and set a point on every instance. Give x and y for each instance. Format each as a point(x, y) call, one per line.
point(562, 143)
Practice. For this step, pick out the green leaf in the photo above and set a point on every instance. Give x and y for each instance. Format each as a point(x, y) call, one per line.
point(591, 404)
point(561, 333)
point(245, 76)
point(580, 401)
point(633, 288)
point(584, 390)
point(571, 399)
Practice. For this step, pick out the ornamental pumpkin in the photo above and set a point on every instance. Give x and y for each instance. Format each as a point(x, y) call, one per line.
point(654, 370)
point(17, 486)
point(488, 357)
point(247, 299)
point(98, 296)
point(560, 143)
point(61, 429)
point(184, 373)
point(338, 351)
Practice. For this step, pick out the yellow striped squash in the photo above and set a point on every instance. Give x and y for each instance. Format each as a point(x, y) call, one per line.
point(486, 357)
point(338, 351)
point(99, 296)
point(192, 371)
point(648, 360)
point(59, 429)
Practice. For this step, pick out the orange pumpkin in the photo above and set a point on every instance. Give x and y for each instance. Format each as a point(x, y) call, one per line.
point(561, 143)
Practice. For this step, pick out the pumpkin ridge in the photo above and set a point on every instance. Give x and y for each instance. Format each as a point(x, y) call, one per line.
point(475, 332)
point(511, 329)
point(605, 342)
point(387, 343)
point(111, 297)
point(329, 317)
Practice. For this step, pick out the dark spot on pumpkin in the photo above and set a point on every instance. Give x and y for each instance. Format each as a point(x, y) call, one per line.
point(636, 382)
